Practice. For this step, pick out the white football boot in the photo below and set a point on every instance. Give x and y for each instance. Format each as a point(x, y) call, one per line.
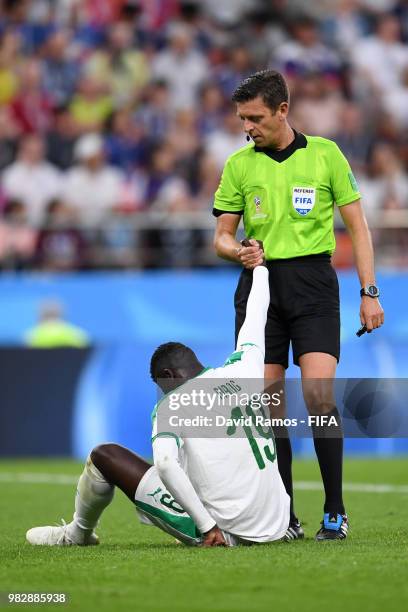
point(58, 536)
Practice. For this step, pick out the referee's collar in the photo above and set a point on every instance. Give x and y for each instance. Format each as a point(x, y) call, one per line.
point(299, 142)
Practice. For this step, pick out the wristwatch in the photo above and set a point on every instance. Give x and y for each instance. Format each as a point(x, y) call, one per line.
point(371, 291)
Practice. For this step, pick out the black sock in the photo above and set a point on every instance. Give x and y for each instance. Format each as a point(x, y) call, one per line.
point(328, 443)
point(284, 453)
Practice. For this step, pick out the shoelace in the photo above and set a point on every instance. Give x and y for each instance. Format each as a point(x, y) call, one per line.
point(63, 535)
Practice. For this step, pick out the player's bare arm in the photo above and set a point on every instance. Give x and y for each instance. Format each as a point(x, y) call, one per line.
point(371, 312)
point(165, 454)
point(228, 247)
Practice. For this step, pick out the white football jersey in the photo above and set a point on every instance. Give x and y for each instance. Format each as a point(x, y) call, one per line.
point(231, 464)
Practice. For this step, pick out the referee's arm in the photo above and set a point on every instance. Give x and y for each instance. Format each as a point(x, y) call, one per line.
point(227, 246)
point(371, 312)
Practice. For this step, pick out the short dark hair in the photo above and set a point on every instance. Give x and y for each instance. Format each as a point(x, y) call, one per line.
point(268, 84)
point(170, 355)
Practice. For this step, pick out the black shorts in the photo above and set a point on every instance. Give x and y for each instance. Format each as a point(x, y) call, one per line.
point(304, 308)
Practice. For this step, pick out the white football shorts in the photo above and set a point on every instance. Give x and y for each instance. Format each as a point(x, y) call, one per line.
point(156, 506)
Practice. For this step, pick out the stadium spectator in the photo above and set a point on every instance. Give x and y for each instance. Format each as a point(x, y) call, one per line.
point(239, 66)
point(8, 137)
point(92, 188)
point(155, 113)
point(17, 237)
point(38, 25)
point(60, 72)
point(183, 136)
point(163, 189)
point(400, 10)
point(305, 52)
point(90, 27)
point(15, 11)
point(32, 179)
point(386, 184)
point(355, 135)
point(60, 140)
point(16, 15)
point(65, 12)
point(100, 12)
point(262, 33)
point(381, 59)
point(192, 13)
point(377, 7)
point(211, 109)
point(10, 59)
point(124, 141)
point(32, 107)
point(345, 27)
point(208, 180)
point(156, 15)
point(219, 145)
point(60, 245)
point(122, 69)
point(395, 102)
point(318, 106)
point(181, 66)
point(91, 105)
point(228, 14)
point(53, 332)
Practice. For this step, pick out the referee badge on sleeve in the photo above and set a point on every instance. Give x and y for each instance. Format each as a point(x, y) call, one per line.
point(303, 199)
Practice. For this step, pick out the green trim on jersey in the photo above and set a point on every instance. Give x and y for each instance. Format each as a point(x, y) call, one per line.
point(153, 416)
point(233, 358)
point(237, 355)
point(182, 524)
point(289, 205)
point(167, 434)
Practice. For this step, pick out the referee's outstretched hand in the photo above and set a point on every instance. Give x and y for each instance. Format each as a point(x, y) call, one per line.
point(251, 253)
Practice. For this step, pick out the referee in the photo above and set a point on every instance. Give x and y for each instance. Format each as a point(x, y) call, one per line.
point(285, 185)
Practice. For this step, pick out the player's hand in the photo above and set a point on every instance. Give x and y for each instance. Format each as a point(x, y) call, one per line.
point(371, 313)
point(251, 254)
point(214, 537)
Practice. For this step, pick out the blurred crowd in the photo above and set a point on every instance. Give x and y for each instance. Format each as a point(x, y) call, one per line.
point(114, 111)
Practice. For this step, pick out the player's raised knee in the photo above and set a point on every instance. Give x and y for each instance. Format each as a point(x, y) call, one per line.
point(103, 453)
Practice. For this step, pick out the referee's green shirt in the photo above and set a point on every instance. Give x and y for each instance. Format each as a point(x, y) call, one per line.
point(287, 197)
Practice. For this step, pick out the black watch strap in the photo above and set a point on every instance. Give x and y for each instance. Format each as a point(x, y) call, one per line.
point(371, 291)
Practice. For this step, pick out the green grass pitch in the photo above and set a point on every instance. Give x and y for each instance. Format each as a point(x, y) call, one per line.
point(140, 568)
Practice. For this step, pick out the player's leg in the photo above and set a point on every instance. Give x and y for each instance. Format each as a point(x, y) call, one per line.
point(120, 466)
point(318, 372)
point(275, 378)
point(107, 466)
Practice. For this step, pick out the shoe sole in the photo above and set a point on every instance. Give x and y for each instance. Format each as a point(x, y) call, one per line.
point(328, 538)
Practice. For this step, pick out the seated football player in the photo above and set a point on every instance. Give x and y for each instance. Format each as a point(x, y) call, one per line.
point(217, 490)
